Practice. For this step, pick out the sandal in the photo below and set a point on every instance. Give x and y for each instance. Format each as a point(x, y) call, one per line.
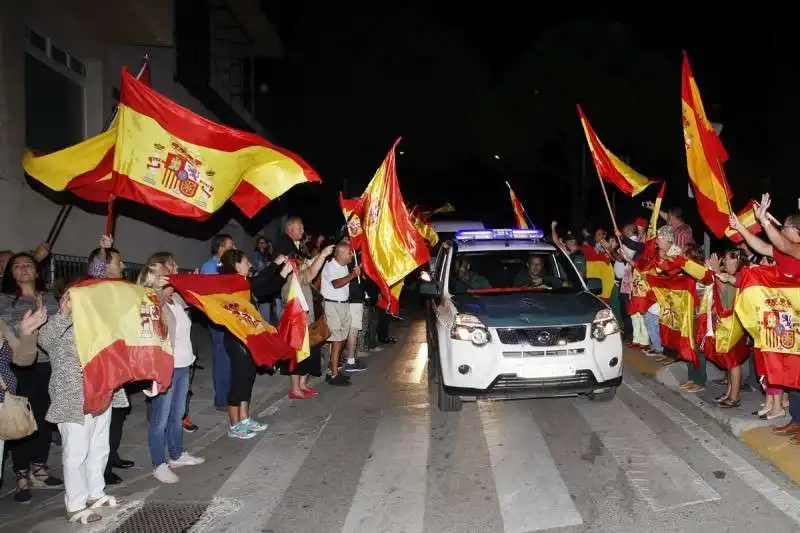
point(41, 478)
point(23, 492)
point(106, 501)
point(721, 399)
point(728, 404)
point(85, 516)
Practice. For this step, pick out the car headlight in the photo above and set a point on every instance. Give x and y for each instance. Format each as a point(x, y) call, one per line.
point(604, 324)
point(469, 328)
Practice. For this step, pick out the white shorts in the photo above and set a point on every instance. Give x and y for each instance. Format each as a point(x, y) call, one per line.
point(356, 316)
point(338, 317)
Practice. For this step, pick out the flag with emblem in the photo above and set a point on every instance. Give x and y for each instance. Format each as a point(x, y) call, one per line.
point(293, 327)
point(349, 207)
point(768, 305)
point(704, 157)
point(609, 167)
point(720, 334)
point(394, 246)
point(179, 162)
point(121, 336)
point(520, 217)
point(676, 296)
point(226, 300)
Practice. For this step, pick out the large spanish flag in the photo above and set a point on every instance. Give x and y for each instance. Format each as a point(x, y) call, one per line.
point(704, 157)
point(598, 266)
point(394, 246)
point(720, 334)
point(747, 217)
point(677, 297)
point(768, 305)
point(226, 300)
point(520, 217)
point(184, 164)
point(121, 336)
point(611, 168)
point(350, 208)
point(293, 326)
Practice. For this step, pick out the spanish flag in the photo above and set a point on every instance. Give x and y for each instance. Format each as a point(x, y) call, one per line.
point(598, 266)
point(425, 228)
point(179, 162)
point(677, 296)
point(720, 334)
point(520, 217)
point(349, 207)
point(393, 244)
point(293, 327)
point(121, 336)
point(442, 209)
point(747, 217)
point(768, 305)
point(611, 168)
point(704, 157)
point(226, 300)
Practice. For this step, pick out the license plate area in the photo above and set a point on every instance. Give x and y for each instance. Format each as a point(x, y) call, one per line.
point(545, 371)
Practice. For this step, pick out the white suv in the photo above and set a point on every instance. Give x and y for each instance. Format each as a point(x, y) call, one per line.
point(508, 316)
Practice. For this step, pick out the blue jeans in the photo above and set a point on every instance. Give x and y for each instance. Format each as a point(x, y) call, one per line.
point(654, 331)
point(279, 308)
point(166, 419)
point(220, 367)
point(794, 404)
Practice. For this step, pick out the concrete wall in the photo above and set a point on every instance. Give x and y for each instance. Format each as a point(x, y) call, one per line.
point(25, 215)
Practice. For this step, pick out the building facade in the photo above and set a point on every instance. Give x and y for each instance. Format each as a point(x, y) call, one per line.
point(59, 72)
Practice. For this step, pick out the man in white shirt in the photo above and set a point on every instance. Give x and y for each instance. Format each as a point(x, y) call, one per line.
point(335, 289)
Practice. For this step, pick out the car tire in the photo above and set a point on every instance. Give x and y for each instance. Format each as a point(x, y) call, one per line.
point(605, 396)
point(444, 402)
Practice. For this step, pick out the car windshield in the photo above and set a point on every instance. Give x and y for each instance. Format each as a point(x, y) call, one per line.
point(506, 271)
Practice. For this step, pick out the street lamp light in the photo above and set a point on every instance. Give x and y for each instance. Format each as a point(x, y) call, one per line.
point(496, 156)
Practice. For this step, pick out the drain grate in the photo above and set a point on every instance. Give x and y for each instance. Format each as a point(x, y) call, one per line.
point(163, 518)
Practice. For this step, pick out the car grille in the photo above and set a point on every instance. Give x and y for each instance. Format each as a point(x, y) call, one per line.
point(542, 336)
point(509, 382)
point(544, 353)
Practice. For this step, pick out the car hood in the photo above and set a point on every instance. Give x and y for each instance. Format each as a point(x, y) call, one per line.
point(524, 309)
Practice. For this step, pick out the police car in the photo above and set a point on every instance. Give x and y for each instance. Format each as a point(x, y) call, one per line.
point(508, 316)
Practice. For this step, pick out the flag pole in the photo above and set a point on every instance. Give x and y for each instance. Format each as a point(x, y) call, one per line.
point(524, 211)
point(63, 213)
point(608, 202)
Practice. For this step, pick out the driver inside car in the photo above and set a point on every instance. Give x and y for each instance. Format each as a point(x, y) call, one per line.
point(466, 279)
point(534, 276)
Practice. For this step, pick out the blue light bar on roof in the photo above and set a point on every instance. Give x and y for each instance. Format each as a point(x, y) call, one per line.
point(499, 234)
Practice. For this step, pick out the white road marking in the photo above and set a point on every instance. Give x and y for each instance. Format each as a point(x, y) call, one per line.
point(770, 490)
point(660, 477)
point(413, 365)
point(391, 494)
point(531, 492)
point(260, 481)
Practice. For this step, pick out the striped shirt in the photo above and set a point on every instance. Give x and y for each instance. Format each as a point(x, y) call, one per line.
point(683, 236)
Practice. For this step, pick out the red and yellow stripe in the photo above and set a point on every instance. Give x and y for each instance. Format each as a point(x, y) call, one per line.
point(293, 326)
point(519, 211)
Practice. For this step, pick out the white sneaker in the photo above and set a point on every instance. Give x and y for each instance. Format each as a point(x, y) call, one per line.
point(185, 460)
point(165, 475)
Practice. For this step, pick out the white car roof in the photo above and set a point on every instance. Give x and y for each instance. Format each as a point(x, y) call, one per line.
point(452, 226)
point(491, 245)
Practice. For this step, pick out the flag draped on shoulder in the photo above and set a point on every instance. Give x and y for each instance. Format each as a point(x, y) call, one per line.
point(677, 297)
point(611, 168)
point(520, 217)
point(180, 162)
point(394, 246)
point(720, 334)
point(704, 157)
point(121, 336)
point(293, 327)
point(768, 306)
point(226, 300)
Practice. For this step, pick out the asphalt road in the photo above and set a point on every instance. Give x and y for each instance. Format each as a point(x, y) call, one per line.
point(378, 458)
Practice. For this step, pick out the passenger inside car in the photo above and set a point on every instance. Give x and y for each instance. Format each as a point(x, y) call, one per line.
point(467, 280)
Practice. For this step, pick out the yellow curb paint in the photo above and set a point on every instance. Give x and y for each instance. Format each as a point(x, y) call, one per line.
point(777, 449)
point(639, 361)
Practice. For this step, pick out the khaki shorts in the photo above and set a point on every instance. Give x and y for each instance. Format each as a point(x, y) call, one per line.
point(356, 316)
point(338, 318)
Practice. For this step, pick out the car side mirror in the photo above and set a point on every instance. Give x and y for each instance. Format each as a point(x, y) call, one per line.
point(595, 285)
point(429, 288)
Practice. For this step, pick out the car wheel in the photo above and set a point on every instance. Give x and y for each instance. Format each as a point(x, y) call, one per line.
point(605, 396)
point(446, 402)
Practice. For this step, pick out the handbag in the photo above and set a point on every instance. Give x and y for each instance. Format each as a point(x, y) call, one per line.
point(16, 416)
point(318, 332)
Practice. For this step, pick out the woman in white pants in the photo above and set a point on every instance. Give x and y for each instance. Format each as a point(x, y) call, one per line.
point(84, 437)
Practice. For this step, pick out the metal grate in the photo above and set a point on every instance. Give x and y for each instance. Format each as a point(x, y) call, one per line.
point(163, 518)
point(551, 336)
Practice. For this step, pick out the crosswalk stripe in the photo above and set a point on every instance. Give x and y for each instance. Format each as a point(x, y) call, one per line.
point(531, 492)
point(660, 477)
point(744, 470)
point(258, 485)
point(391, 493)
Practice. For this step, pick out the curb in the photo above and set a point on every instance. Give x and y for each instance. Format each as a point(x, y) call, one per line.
point(757, 434)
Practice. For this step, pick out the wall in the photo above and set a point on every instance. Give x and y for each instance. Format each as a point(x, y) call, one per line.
point(26, 215)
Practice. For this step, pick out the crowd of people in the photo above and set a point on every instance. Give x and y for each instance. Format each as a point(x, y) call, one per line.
point(39, 360)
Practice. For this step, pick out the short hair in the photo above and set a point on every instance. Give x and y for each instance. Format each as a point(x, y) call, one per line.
point(217, 241)
point(677, 212)
point(292, 220)
point(95, 255)
point(229, 260)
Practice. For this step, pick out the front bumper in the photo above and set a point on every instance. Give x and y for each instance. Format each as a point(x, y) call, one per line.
point(502, 369)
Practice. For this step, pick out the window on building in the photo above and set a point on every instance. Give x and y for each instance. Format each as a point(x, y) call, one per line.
point(54, 96)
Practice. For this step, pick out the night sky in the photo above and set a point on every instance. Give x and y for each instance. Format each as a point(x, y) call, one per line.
point(461, 85)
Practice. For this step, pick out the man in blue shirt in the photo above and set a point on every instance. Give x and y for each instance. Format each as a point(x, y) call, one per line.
point(220, 364)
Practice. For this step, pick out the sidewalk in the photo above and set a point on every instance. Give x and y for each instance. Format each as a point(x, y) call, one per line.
point(739, 421)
